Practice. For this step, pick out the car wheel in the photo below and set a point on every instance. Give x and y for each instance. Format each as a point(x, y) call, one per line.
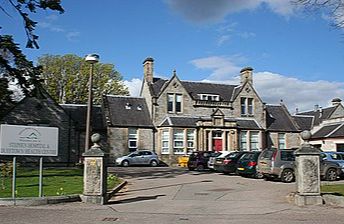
point(331, 175)
point(287, 176)
point(258, 175)
point(200, 167)
point(153, 163)
point(125, 163)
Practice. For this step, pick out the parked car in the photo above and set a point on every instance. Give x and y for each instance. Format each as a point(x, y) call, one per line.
point(274, 163)
point(140, 157)
point(213, 156)
point(337, 157)
point(199, 160)
point(228, 164)
point(246, 165)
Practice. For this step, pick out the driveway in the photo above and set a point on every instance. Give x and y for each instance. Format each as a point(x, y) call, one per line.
point(175, 195)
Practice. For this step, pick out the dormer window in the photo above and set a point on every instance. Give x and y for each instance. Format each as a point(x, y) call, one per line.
point(209, 97)
point(246, 106)
point(174, 103)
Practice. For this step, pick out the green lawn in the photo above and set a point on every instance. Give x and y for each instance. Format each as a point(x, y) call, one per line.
point(55, 182)
point(337, 189)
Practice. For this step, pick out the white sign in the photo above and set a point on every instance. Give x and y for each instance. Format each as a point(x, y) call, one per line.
point(18, 140)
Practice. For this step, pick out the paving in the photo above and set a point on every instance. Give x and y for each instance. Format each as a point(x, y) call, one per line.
point(175, 195)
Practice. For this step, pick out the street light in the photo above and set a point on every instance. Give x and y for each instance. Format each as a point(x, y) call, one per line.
point(91, 59)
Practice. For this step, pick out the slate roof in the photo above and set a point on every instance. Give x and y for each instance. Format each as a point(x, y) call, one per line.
point(330, 131)
point(191, 122)
point(124, 111)
point(320, 115)
point(279, 119)
point(194, 88)
point(180, 122)
point(304, 122)
point(78, 113)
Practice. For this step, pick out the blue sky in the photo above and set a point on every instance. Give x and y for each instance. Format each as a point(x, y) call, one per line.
point(296, 55)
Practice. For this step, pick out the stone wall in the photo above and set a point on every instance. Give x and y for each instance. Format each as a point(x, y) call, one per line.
point(293, 140)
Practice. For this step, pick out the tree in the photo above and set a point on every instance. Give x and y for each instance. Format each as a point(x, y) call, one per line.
point(66, 78)
point(13, 64)
point(335, 9)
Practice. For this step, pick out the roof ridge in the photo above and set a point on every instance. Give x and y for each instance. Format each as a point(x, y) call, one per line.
point(213, 83)
point(121, 96)
point(334, 130)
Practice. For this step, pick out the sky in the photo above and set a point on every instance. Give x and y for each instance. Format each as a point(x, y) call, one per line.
point(297, 56)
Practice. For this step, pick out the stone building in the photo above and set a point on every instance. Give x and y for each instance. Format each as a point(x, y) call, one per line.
point(192, 116)
point(326, 126)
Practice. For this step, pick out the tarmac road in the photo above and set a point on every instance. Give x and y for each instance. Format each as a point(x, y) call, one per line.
point(175, 195)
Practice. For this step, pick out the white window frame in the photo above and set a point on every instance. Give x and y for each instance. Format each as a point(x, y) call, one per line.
point(132, 137)
point(247, 108)
point(254, 140)
point(281, 139)
point(243, 140)
point(190, 139)
point(210, 97)
point(174, 99)
point(178, 137)
point(165, 138)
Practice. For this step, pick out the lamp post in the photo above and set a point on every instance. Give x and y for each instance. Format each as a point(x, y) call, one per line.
point(91, 59)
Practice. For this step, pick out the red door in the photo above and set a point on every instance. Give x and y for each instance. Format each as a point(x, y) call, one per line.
point(218, 144)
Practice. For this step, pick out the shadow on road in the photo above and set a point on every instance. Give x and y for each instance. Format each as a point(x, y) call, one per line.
point(136, 199)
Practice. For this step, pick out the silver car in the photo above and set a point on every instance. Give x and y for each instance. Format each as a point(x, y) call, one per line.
point(140, 157)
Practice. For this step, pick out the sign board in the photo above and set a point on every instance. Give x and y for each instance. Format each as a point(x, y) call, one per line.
point(18, 140)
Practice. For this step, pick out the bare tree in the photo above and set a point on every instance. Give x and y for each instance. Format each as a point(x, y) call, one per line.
point(335, 9)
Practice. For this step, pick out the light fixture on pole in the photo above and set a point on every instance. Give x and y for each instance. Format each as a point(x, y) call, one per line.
point(91, 59)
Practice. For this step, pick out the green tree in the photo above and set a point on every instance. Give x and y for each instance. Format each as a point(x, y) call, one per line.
point(13, 64)
point(66, 79)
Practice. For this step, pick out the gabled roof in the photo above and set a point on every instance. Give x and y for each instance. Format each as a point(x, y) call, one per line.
point(279, 119)
point(330, 131)
point(194, 88)
point(78, 113)
point(124, 111)
point(304, 122)
point(320, 115)
point(248, 124)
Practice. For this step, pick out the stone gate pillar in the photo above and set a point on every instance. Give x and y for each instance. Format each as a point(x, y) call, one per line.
point(95, 174)
point(307, 161)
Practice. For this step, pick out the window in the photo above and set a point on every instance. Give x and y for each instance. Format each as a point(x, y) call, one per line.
point(254, 140)
point(209, 97)
point(165, 139)
point(243, 141)
point(246, 106)
point(174, 102)
point(178, 141)
point(132, 139)
point(281, 141)
point(190, 138)
point(170, 99)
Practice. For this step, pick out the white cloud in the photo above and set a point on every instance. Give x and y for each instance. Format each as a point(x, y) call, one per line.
point(222, 39)
point(222, 67)
point(134, 86)
point(206, 11)
point(72, 36)
point(273, 87)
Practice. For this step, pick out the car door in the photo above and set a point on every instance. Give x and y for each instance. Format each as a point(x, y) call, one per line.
point(146, 156)
point(134, 158)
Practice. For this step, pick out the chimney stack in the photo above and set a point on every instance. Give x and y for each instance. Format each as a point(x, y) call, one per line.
point(336, 102)
point(316, 107)
point(148, 69)
point(246, 75)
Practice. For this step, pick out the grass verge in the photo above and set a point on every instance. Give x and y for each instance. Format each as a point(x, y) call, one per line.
point(337, 189)
point(56, 182)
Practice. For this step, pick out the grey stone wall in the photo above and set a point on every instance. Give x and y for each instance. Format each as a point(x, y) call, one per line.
point(339, 112)
point(45, 112)
point(293, 140)
point(117, 139)
point(259, 113)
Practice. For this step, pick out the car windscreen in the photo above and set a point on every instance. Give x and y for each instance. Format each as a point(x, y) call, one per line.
point(287, 156)
point(267, 154)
